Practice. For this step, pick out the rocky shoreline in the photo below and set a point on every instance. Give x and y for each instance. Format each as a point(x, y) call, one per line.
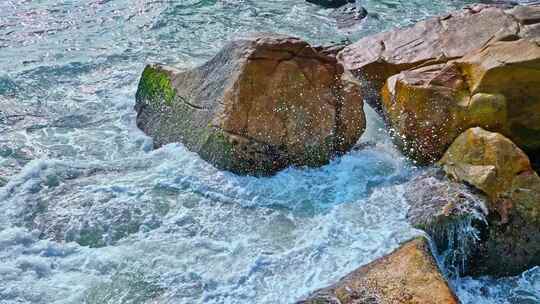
point(460, 91)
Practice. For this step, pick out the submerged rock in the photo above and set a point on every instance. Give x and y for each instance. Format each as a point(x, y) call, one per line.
point(408, 275)
point(16, 119)
point(263, 103)
point(434, 200)
point(331, 3)
point(374, 59)
point(349, 15)
point(497, 88)
point(495, 165)
point(452, 214)
point(54, 203)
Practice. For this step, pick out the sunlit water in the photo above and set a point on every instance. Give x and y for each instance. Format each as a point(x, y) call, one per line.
point(91, 214)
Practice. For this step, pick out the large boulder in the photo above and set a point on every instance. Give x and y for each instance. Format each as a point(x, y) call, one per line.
point(408, 275)
point(496, 87)
point(493, 164)
point(262, 103)
point(374, 59)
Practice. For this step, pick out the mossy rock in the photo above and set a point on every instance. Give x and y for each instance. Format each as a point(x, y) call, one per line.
point(155, 86)
point(263, 103)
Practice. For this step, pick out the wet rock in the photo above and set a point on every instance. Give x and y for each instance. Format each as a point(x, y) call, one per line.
point(349, 15)
point(408, 275)
point(496, 88)
point(374, 59)
point(487, 160)
point(263, 103)
point(333, 48)
point(506, 4)
point(434, 200)
point(331, 3)
point(131, 286)
point(495, 165)
point(452, 214)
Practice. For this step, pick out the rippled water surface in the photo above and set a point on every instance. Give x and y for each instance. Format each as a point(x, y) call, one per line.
point(91, 214)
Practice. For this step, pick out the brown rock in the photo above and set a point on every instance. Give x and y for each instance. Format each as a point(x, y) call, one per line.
point(513, 70)
point(526, 15)
point(407, 275)
point(435, 201)
point(496, 87)
point(486, 160)
point(375, 58)
point(264, 102)
point(495, 165)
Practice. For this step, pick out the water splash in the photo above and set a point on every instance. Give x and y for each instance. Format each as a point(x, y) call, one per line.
point(456, 243)
point(522, 289)
point(93, 215)
point(452, 214)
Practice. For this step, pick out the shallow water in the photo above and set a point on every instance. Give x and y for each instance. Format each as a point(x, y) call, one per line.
point(91, 214)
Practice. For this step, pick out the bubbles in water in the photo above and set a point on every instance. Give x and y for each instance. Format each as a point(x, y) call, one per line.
point(90, 214)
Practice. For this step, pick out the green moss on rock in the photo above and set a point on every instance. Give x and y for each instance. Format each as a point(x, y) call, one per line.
point(92, 238)
point(227, 151)
point(318, 155)
point(217, 148)
point(155, 86)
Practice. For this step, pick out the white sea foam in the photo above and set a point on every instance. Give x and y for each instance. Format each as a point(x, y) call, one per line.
point(222, 239)
point(164, 226)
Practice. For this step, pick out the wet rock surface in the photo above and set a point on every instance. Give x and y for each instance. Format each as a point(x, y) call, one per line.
point(493, 164)
point(434, 200)
point(374, 59)
point(263, 103)
point(451, 213)
point(333, 48)
point(497, 88)
point(349, 15)
point(408, 275)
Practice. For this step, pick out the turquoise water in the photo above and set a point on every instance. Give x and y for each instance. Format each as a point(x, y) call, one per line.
point(90, 213)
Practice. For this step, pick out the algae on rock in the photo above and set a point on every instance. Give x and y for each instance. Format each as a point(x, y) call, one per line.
point(264, 102)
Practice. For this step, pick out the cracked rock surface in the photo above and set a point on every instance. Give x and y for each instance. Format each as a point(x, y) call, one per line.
point(496, 88)
point(264, 102)
point(374, 59)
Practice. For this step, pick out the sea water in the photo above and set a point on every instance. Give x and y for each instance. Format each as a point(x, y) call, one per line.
point(90, 213)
